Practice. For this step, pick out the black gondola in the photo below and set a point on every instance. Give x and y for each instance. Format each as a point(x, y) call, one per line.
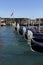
point(37, 42)
point(26, 37)
point(21, 30)
point(15, 28)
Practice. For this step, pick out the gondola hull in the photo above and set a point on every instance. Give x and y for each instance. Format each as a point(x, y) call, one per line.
point(15, 28)
point(26, 37)
point(21, 32)
point(37, 44)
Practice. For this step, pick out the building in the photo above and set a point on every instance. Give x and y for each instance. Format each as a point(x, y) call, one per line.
point(40, 22)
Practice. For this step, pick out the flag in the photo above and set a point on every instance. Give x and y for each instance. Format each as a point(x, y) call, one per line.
point(12, 14)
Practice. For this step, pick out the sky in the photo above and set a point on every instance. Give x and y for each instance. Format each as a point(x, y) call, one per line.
point(21, 8)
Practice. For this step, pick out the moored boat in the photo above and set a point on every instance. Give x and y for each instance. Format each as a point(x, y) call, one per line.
point(37, 42)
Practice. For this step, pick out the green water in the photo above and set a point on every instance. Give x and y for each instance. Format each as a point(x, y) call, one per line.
point(15, 50)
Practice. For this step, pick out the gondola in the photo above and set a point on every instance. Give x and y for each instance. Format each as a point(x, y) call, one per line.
point(22, 30)
point(15, 28)
point(37, 42)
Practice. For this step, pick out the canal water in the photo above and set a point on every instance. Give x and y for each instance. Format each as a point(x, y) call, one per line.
point(15, 50)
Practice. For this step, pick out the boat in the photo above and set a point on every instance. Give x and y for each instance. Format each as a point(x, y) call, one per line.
point(2, 24)
point(26, 32)
point(21, 30)
point(37, 42)
point(15, 26)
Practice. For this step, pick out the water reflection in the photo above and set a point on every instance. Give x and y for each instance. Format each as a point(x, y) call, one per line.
point(1, 41)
